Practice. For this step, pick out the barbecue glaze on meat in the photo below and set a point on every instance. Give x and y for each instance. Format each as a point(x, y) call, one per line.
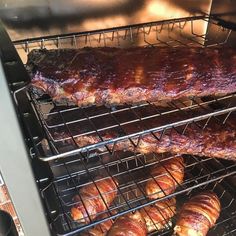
point(97, 76)
point(198, 215)
point(131, 224)
point(158, 215)
point(215, 140)
point(165, 178)
point(93, 199)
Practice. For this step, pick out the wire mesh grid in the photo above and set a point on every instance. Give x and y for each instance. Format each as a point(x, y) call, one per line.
point(77, 164)
point(71, 130)
point(95, 127)
point(132, 172)
point(190, 31)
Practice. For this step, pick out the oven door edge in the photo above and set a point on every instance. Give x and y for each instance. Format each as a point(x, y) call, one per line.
point(15, 163)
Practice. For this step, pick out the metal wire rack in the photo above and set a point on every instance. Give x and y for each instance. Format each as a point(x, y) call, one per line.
point(66, 124)
point(75, 166)
point(71, 130)
point(132, 172)
point(188, 31)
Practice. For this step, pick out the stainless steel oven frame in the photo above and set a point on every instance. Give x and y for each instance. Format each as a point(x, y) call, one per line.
point(15, 162)
point(30, 156)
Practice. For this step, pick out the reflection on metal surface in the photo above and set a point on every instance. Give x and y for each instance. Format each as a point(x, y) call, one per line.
point(225, 13)
point(28, 18)
point(163, 8)
point(182, 32)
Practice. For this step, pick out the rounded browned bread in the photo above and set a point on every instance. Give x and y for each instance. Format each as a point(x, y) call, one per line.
point(198, 215)
point(102, 228)
point(165, 177)
point(131, 224)
point(93, 199)
point(159, 214)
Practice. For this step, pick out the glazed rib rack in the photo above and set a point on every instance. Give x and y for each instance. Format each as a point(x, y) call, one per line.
point(74, 166)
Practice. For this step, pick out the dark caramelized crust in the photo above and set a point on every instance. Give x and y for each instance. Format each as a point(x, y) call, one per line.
point(131, 224)
point(93, 199)
point(117, 76)
point(158, 215)
point(198, 215)
point(165, 177)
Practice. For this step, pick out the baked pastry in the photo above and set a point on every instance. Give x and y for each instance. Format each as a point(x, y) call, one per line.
point(198, 215)
point(131, 224)
point(93, 199)
point(158, 215)
point(165, 177)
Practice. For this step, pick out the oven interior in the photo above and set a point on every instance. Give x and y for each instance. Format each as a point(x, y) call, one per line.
point(62, 167)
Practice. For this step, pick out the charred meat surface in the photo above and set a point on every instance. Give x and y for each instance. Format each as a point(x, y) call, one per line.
point(98, 76)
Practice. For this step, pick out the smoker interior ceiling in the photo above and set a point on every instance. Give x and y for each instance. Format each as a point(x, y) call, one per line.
point(28, 18)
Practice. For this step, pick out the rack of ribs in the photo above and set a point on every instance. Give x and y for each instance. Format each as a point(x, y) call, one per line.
point(111, 76)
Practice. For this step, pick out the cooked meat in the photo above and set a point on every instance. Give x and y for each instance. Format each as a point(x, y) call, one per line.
point(198, 215)
point(131, 224)
point(165, 177)
point(158, 215)
point(109, 76)
point(215, 140)
point(93, 199)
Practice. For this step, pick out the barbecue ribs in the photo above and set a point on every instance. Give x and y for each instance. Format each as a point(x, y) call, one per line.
point(98, 76)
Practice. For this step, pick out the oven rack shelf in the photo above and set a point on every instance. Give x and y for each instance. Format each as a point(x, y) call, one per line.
point(65, 126)
point(132, 172)
point(176, 32)
point(185, 31)
point(68, 161)
point(97, 121)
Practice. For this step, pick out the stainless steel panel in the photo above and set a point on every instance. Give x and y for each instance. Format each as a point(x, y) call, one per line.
point(225, 13)
point(15, 164)
point(28, 18)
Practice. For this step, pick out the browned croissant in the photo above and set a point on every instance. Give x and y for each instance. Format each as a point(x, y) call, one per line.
point(95, 199)
point(165, 177)
point(159, 214)
point(131, 224)
point(198, 215)
point(100, 229)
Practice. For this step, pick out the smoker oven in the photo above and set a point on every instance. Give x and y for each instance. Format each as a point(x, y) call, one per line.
point(45, 172)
